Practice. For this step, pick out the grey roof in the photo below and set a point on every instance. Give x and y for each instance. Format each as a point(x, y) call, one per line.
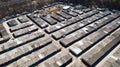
point(77, 38)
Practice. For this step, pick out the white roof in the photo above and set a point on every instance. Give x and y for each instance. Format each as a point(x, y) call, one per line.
point(66, 7)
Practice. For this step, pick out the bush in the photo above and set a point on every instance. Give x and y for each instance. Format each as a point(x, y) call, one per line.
point(112, 4)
